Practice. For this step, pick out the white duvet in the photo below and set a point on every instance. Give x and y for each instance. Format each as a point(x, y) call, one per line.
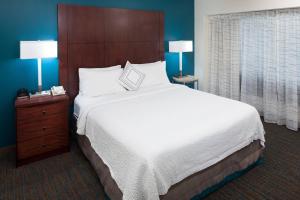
point(156, 137)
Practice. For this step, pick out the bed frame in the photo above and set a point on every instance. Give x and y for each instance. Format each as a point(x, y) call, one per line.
point(102, 37)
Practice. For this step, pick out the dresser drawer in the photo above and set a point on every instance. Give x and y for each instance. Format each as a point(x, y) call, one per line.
point(30, 148)
point(53, 142)
point(39, 112)
point(41, 145)
point(40, 132)
point(54, 124)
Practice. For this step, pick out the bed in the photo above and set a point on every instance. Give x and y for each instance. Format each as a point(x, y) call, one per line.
point(166, 141)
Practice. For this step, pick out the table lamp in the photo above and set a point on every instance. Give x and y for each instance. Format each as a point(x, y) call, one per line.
point(38, 50)
point(180, 47)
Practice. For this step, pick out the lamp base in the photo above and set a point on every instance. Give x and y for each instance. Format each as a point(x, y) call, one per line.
point(40, 94)
point(180, 74)
point(40, 89)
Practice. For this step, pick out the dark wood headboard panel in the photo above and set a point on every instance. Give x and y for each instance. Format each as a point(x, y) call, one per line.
point(102, 37)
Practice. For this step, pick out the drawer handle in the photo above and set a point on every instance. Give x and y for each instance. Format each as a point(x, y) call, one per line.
point(44, 128)
point(44, 112)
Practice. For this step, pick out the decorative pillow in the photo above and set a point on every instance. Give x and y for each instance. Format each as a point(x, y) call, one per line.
point(131, 78)
point(155, 73)
point(100, 82)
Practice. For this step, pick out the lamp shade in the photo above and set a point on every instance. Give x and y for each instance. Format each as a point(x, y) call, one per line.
point(180, 46)
point(38, 49)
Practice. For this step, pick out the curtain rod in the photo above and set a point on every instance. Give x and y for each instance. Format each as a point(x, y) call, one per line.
point(255, 11)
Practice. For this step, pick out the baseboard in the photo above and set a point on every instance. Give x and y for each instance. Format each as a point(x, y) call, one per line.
point(8, 149)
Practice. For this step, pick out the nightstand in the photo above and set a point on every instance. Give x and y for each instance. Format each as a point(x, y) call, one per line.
point(188, 79)
point(42, 127)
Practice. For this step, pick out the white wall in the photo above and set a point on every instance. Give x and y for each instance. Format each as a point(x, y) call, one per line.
point(204, 8)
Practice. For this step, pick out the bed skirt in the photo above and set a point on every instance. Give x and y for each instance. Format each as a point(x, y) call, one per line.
point(187, 188)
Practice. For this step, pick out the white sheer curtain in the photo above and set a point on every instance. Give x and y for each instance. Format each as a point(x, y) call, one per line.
point(258, 55)
point(224, 61)
point(269, 57)
point(288, 70)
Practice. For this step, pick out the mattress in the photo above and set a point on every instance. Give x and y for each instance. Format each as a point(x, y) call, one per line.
point(154, 138)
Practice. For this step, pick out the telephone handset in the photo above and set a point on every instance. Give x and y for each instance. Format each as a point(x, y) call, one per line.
point(59, 90)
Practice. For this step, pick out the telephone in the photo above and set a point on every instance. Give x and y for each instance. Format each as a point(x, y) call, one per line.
point(59, 90)
point(22, 93)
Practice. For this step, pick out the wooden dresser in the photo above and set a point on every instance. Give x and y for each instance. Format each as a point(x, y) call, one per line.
point(42, 127)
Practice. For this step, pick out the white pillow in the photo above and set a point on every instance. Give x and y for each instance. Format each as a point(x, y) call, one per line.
point(131, 78)
point(91, 70)
point(101, 82)
point(155, 73)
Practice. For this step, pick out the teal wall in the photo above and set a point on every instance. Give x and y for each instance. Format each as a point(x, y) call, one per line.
point(37, 20)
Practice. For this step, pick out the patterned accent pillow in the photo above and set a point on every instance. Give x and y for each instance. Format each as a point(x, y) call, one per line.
point(131, 78)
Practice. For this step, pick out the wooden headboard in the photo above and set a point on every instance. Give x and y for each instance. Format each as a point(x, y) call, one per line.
point(92, 37)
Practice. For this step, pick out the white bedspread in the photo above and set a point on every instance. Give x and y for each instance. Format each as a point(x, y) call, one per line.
point(156, 137)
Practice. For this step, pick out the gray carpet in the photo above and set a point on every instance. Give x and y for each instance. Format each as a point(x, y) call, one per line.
point(69, 176)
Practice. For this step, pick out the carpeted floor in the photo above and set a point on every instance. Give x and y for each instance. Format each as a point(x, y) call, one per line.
point(69, 176)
